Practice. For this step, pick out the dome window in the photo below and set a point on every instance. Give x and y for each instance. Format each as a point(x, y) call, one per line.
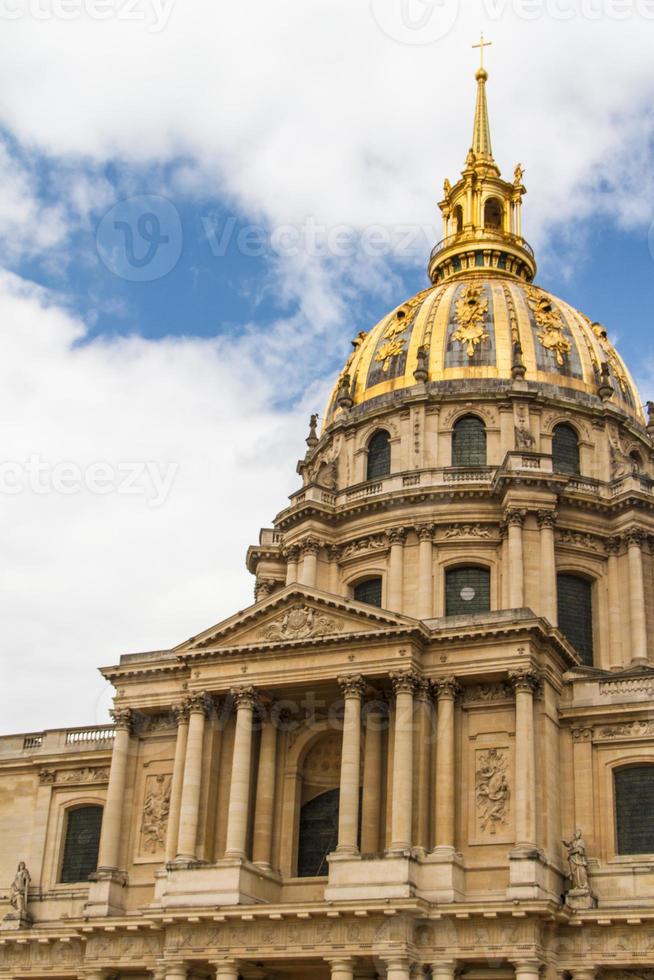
point(575, 607)
point(81, 844)
point(458, 218)
point(369, 591)
point(469, 442)
point(634, 804)
point(493, 214)
point(565, 450)
point(379, 456)
point(467, 591)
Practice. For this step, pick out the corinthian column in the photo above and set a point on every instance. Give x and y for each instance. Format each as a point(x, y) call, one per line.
point(292, 556)
point(612, 546)
point(239, 790)
point(265, 798)
point(309, 573)
point(348, 809)
point(548, 604)
point(394, 590)
point(172, 831)
point(425, 534)
point(404, 686)
point(447, 690)
point(376, 721)
point(112, 818)
point(525, 682)
point(635, 539)
point(198, 706)
point(514, 520)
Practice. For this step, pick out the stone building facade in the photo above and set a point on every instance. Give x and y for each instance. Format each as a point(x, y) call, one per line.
point(427, 749)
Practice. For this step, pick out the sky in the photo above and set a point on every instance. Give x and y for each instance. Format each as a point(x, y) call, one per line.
point(201, 203)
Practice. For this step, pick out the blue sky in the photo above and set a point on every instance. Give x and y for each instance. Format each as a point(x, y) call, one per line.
point(294, 132)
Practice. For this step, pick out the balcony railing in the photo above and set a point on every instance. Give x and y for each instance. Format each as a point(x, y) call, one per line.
point(481, 235)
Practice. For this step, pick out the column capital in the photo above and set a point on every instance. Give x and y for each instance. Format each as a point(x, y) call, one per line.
point(311, 546)
point(546, 518)
point(425, 532)
point(396, 535)
point(199, 703)
point(514, 516)
point(446, 688)
point(635, 537)
point(262, 588)
point(123, 719)
point(423, 689)
point(525, 679)
point(352, 685)
point(225, 969)
point(404, 682)
point(291, 552)
point(612, 544)
point(528, 965)
point(244, 697)
point(180, 713)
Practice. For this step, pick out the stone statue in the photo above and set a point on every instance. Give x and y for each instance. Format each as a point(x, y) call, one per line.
point(447, 188)
point(578, 862)
point(19, 890)
point(518, 174)
point(523, 437)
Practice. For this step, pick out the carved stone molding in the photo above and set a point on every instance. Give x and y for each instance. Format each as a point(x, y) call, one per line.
point(514, 517)
point(156, 807)
point(404, 682)
point(352, 685)
point(299, 623)
point(86, 774)
point(467, 531)
point(492, 793)
point(525, 679)
point(582, 733)
point(628, 686)
point(292, 553)
point(447, 688)
point(262, 589)
point(580, 539)
point(373, 542)
point(487, 693)
point(423, 690)
point(334, 552)
point(628, 729)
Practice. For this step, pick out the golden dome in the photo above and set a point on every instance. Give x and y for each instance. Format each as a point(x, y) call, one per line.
point(490, 331)
point(483, 325)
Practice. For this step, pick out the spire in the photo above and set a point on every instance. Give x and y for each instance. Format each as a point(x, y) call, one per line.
point(481, 140)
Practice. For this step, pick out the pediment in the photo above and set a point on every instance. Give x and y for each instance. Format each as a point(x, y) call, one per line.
point(296, 615)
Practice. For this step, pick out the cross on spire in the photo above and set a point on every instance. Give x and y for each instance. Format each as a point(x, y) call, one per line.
point(482, 44)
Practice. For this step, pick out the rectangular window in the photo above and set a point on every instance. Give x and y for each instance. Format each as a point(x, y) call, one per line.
point(634, 806)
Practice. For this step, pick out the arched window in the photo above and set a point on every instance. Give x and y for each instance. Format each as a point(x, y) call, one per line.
point(318, 834)
point(379, 455)
point(492, 213)
point(469, 442)
point(81, 843)
point(467, 591)
point(575, 608)
point(458, 218)
point(565, 450)
point(369, 590)
point(634, 804)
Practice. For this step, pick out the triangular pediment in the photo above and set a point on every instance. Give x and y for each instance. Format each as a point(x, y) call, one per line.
point(296, 615)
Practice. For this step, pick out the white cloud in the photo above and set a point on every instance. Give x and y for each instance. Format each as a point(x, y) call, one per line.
point(291, 110)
